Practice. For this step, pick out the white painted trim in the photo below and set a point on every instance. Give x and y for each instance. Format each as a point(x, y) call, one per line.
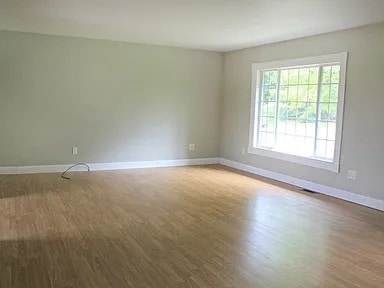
point(308, 161)
point(306, 61)
point(326, 190)
point(257, 68)
point(107, 166)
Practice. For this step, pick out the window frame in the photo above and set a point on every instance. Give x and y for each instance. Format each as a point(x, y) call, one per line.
point(257, 68)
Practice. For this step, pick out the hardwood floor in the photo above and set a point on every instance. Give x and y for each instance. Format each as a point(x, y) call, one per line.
point(182, 227)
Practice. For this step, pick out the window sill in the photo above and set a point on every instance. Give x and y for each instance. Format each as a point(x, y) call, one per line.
point(312, 162)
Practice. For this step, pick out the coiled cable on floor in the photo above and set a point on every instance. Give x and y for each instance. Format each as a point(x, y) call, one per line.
point(78, 164)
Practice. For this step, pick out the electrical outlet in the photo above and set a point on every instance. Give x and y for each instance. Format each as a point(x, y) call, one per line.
point(74, 150)
point(191, 147)
point(352, 174)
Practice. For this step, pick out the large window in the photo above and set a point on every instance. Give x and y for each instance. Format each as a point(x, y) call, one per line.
point(297, 110)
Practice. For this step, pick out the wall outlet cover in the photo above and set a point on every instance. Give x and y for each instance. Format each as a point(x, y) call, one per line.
point(352, 174)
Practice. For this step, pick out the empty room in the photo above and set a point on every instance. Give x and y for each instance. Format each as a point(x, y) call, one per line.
point(191, 143)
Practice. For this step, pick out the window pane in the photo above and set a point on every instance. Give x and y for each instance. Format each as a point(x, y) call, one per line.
point(321, 148)
point(264, 109)
point(331, 134)
point(325, 91)
point(270, 124)
point(273, 77)
point(262, 139)
point(303, 75)
point(271, 109)
point(310, 129)
point(263, 124)
point(302, 111)
point(266, 139)
point(290, 127)
point(332, 112)
point(290, 144)
point(270, 140)
point(283, 93)
point(292, 93)
point(284, 77)
point(300, 128)
point(335, 76)
point(292, 110)
point(293, 76)
point(303, 93)
point(304, 146)
point(280, 142)
point(270, 77)
point(326, 74)
point(334, 93)
point(311, 112)
point(308, 149)
point(322, 129)
point(269, 93)
point(314, 75)
point(330, 149)
point(283, 110)
point(312, 93)
point(266, 78)
point(323, 112)
point(281, 126)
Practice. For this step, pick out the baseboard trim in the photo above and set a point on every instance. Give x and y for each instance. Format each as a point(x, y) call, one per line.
point(323, 189)
point(108, 166)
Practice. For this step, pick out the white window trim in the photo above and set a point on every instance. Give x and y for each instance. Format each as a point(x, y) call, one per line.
point(256, 82)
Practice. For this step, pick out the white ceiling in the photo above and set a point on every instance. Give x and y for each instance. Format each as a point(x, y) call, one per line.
point(219, 25)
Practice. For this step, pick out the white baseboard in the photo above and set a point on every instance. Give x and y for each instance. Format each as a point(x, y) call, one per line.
point(334, 192)
point(107, 166)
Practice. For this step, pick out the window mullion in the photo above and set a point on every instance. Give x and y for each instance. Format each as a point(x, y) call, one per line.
point(320, 80)
point(277, 105)
point(260, 102)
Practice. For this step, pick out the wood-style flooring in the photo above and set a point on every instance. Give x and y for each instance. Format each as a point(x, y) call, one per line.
point(182, 227)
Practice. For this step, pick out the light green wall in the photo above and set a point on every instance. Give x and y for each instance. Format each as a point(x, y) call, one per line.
point(115, 101)
point(363, 137)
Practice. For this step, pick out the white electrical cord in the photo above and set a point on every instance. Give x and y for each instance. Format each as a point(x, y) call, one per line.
point(78, 164)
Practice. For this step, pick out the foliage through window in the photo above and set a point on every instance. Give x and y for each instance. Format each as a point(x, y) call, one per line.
point(297, 107)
